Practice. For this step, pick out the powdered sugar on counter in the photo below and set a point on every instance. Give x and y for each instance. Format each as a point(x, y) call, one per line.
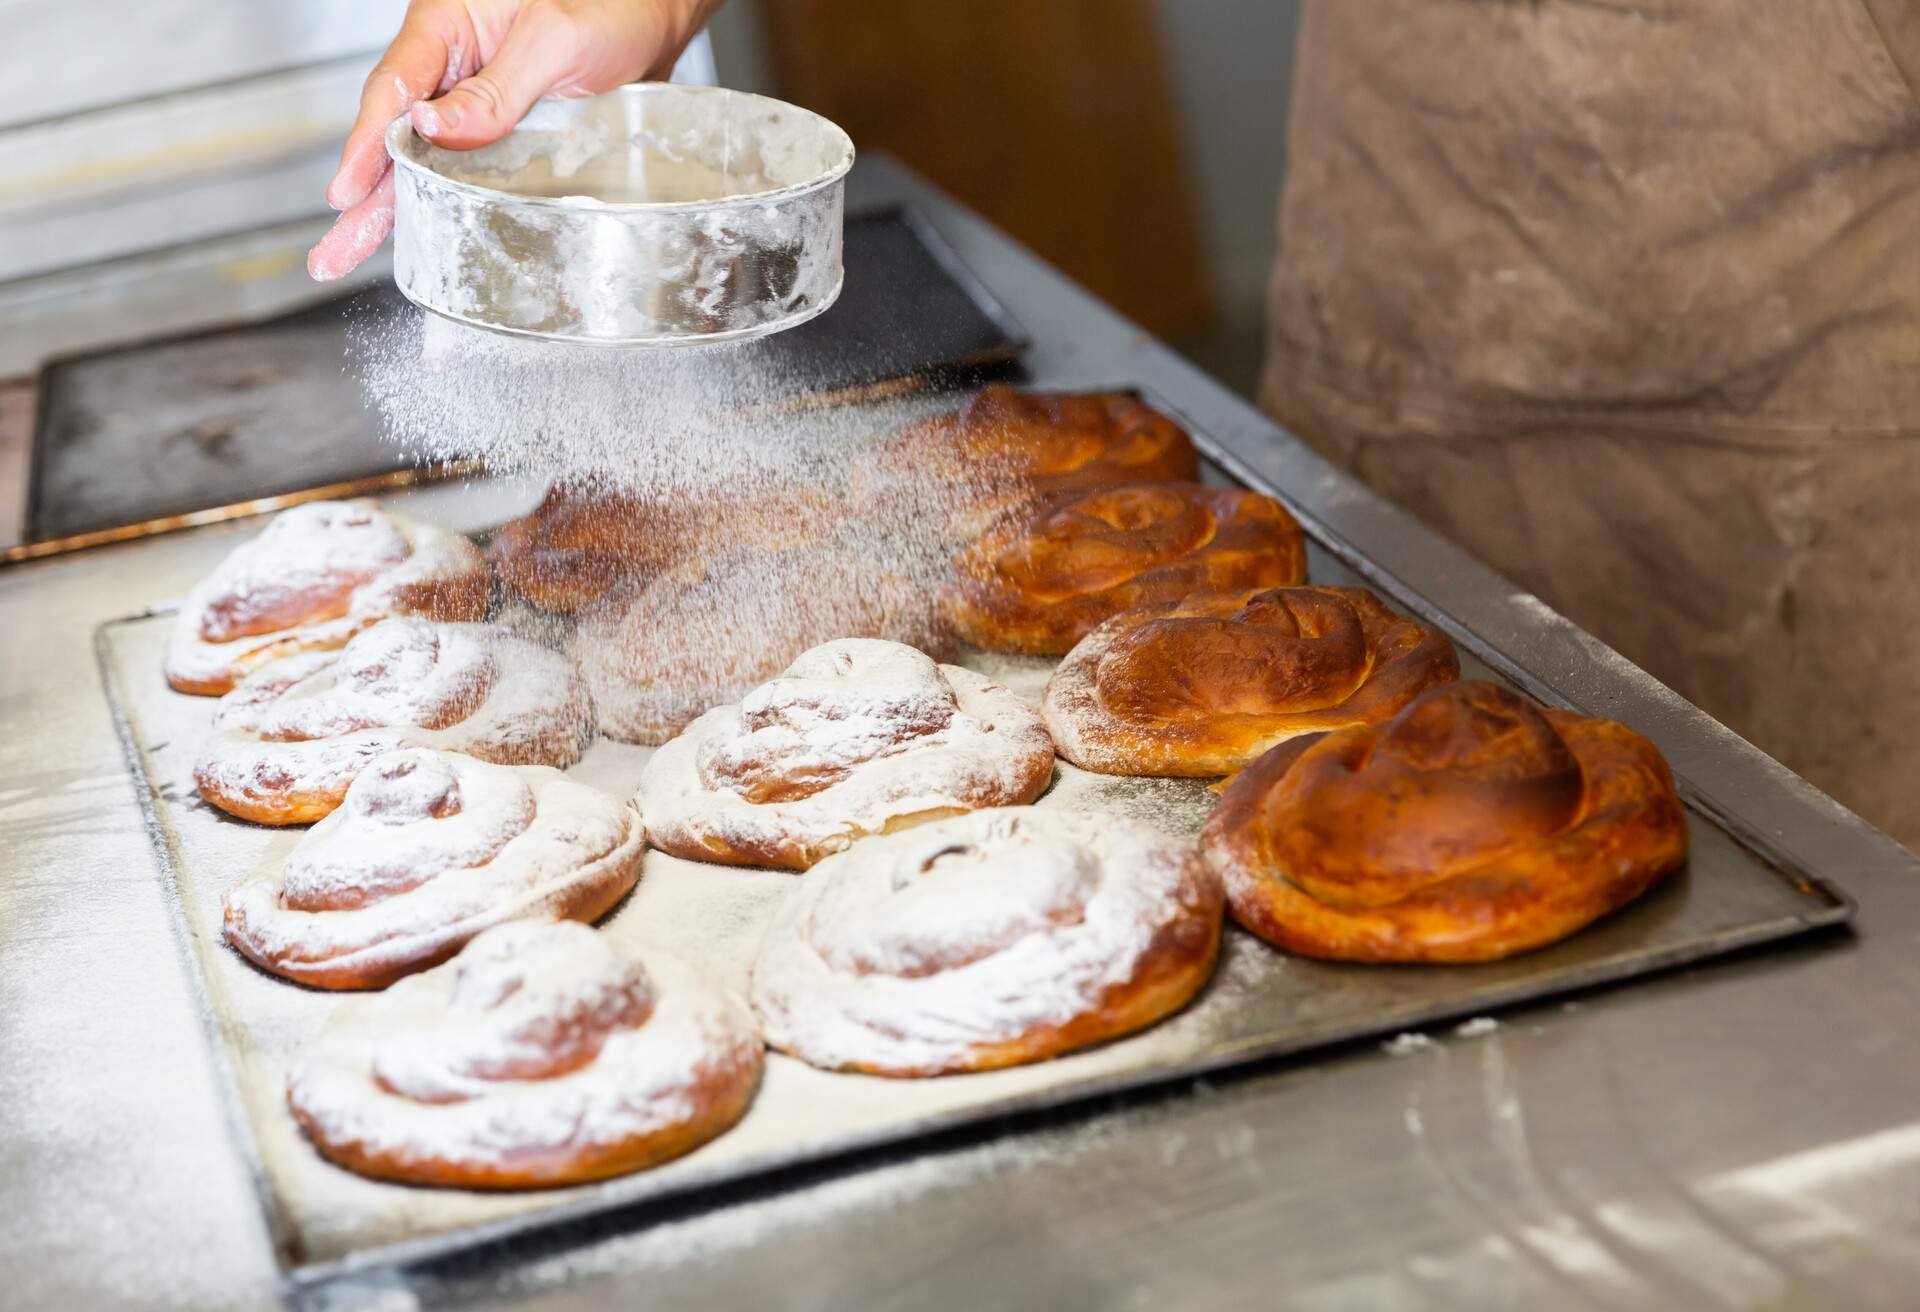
point(1412, 1041)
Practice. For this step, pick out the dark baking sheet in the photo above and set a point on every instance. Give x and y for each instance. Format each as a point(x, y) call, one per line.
point(210, 419)
point(230, 416)
point(908, 309)
point(1261, 1003)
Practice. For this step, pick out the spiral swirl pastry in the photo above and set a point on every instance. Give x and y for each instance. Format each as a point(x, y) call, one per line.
point(541, 1055)
point(292, 736)
point(579, 544)
point(859, 736)
point(429, 849)
point(1037, 585)
point(1203, 685)
point(1006, 448)
point(1471, 826)
point(712, 628)
point(991, 939)
point(316, 576)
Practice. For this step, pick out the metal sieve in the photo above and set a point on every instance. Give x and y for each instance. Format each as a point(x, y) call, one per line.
point(654, 215)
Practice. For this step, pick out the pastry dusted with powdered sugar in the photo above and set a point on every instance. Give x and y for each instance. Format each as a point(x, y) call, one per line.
point(429, 849)
point(292, 736)
point(316, 576)
point(986, 940)
point(541, 1055)
point(859, 736)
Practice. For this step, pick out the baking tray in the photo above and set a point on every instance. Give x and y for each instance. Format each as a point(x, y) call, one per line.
point(326, 1223)
point(242, 420)
point(210, 418)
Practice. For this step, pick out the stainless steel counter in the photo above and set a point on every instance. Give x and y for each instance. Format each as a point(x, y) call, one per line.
point(1743, 1134)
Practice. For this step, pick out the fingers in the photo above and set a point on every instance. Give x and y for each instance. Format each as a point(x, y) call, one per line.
point(540, 55)
point(355, 235)
point(531, 49)
point(414, 67)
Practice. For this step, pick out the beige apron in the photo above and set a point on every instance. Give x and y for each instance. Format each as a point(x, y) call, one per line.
point(1624, 296)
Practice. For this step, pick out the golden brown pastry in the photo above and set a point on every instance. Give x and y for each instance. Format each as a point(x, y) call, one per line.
point(987, 940)
point(317, 575)
point(710, 629)
point(541, 1055)
point(1471, 826)
point(578, 544)
point(429, 849)
point(1203, 685)
point(859, 736)
point(1039, 584)
point(1005, 448)
point(290, 739)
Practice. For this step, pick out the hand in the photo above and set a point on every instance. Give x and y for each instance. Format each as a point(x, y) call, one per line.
point(487, 61)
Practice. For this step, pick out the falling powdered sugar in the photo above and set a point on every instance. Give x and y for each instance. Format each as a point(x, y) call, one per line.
point(650, 422)
point(772, 542)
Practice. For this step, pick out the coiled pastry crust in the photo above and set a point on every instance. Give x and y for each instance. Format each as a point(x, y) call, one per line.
point(1471, 826)
point(429, 849)
point(1039, 584)
point(1005, 448)
point(709, 630)
point(991, 939)
point(315, 576)
point(859, 736)
point(1202, 685)
point(579, 544)
point(292, 736)
point(541, 1055)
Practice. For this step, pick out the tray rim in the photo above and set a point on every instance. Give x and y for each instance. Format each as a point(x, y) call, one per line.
point(1830, 907)
point(33, 539)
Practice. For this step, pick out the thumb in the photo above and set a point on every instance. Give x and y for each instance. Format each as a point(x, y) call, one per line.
point(537, 56)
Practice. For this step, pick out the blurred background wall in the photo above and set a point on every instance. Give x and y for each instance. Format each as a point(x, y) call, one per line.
point(1136, 143)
